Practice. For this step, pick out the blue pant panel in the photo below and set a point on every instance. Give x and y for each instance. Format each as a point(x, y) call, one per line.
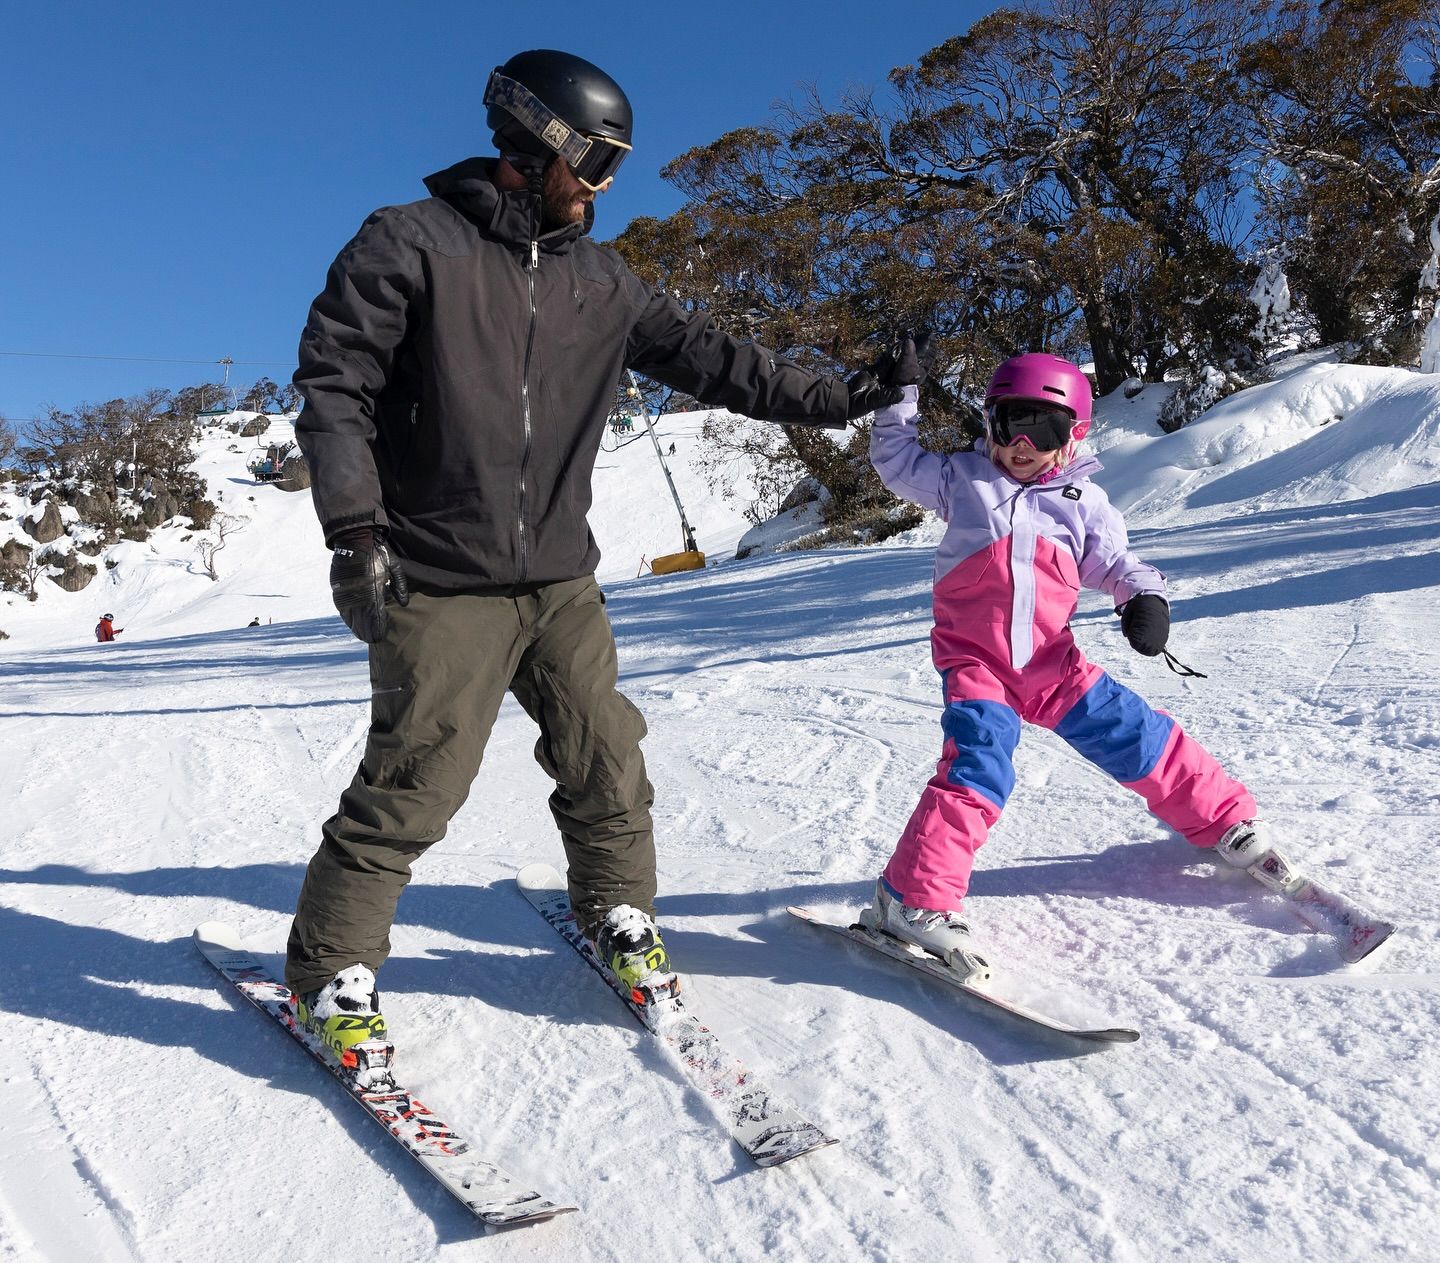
point(984, 735)
point(1116, 730)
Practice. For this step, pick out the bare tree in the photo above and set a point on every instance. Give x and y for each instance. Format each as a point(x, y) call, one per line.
point(34, 566)
point(9, 442)
point(117, 442)
point(222, 526)
point(287, 398)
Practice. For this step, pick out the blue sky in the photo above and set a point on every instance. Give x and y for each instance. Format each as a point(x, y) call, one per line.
point(175, 178)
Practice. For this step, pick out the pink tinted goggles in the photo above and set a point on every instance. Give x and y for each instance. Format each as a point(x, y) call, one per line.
point(1043, 426)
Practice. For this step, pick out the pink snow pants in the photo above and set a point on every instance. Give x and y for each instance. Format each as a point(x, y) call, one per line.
point(1144, 749)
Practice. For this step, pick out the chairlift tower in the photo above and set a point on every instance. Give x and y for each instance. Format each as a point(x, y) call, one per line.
point(225, 385)
point(691, 558)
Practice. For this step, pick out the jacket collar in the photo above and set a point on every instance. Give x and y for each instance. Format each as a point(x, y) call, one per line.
point(470, 187)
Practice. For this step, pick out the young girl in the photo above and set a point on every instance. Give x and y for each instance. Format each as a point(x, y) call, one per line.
point(1026, 528)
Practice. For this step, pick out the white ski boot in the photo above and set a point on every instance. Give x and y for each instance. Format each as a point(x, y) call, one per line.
point(1247, 845)
point(943, 934)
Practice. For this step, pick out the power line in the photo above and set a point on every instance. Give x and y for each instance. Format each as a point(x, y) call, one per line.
point(143, 359)
point(226, 361)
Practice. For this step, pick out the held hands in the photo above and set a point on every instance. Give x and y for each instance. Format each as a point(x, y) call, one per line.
point(361, 569)
point(867, 393)
point(878, 385)
point(1145, 620)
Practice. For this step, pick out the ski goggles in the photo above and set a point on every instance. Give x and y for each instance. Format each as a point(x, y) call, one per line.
point(593, 159)
point(1045, 427)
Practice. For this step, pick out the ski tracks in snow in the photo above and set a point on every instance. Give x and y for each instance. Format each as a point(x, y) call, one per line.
point(77, 1215)
point(1274, 1108)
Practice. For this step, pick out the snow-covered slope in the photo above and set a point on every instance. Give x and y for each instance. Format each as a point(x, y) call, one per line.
point(273, 564)
point(1276, 1107)
point(1318, 433)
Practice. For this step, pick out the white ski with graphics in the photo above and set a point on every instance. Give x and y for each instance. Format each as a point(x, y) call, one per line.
point(1358, 934)
point(485, 1189)
point(765, 1127)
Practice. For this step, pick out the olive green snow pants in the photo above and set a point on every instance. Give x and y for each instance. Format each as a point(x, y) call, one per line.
point(437, 681)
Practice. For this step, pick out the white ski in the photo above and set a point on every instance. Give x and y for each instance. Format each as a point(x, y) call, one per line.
point(487, 1191)
point(990, 993)
point(1357, 933)
point(768, 1129)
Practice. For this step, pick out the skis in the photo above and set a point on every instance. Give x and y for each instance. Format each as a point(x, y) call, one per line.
point(1357, 934)
point(766, 1128)
point(488, 1192)
point(988, 993)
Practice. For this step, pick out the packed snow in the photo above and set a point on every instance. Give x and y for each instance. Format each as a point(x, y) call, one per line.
point(1277, 1105)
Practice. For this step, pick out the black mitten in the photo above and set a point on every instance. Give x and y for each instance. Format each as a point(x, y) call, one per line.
point(361, 571)
point(1145, 620)
point(878, 385)
point(908, 363)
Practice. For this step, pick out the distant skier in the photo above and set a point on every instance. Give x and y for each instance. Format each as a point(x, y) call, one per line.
point(105, 629)
point(254, 622)
point(1026, 529)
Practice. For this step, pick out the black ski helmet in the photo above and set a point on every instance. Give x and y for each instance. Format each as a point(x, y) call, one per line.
point(544, 102)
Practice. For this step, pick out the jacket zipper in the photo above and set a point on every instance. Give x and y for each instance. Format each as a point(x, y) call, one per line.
point(525, 399)
point(1022, 583)
point(1024, 595)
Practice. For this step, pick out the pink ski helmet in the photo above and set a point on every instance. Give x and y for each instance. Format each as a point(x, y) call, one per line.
point(1047, 378)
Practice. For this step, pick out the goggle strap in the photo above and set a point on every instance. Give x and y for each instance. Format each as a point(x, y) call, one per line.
point(551, 129)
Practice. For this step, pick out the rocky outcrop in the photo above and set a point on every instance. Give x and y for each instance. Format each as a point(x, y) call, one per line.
point(294, 474)
point(93, 506)
point(13, 553)
point(47, 527)
point(160, 507)
point(75, 574)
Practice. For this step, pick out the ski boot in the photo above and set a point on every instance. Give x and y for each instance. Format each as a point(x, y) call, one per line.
point(630, 947)
point(942, 934)
point(1247, 845)
point(344, 1015)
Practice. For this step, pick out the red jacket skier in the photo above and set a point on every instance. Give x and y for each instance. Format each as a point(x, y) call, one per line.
point(105, 629)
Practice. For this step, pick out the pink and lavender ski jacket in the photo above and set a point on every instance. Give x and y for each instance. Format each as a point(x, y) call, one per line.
point(1009, 570)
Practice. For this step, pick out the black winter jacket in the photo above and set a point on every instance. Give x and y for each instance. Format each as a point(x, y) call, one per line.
point(457, 376)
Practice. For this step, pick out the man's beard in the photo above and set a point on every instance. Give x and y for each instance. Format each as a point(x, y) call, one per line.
point(559, 206)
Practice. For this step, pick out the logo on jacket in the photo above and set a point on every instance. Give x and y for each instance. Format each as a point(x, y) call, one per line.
point(1071, 493)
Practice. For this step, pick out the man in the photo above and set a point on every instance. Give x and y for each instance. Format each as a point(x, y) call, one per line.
point(458, 370)
point(105, 629)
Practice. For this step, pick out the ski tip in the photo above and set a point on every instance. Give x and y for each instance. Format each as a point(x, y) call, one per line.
point(1371, 949)
point(539, 877)
point(218, 934)
point(1114, 1035)
point(780, 1158)
point(511, 1218)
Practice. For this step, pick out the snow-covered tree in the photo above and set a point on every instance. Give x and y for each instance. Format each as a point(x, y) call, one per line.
point(1430, 296)
point(1271, 296)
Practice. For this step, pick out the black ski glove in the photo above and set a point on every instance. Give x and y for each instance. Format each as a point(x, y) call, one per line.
point(361, 569)
point(868, 393)
point(1145, 620)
